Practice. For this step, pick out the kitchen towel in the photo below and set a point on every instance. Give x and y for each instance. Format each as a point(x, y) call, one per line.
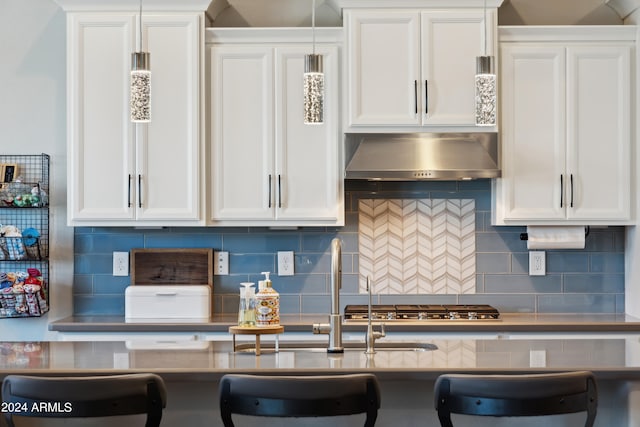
point(555, 237)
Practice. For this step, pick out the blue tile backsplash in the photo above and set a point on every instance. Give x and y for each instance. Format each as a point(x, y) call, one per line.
point(577, 281)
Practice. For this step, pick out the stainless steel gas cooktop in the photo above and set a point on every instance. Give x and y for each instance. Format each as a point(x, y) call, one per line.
point(420, 312)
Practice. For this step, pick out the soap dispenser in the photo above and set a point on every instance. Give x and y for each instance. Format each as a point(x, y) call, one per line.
point(247, 309)
point(267, 303)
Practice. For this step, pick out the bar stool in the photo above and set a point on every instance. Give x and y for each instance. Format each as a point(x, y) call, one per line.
point(77, 397)
point(516, 395)
point(299, 396)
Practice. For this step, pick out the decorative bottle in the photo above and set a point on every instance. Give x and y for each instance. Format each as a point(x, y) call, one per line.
point(247, 309)
point(267, 303)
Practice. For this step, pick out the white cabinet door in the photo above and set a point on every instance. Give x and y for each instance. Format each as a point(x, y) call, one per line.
point(100, 149)
point(599, 131)
point(383, 54)
point(169, 149)
point(451, 41)
point(242, 120)
point(408, 68)
point(121, 173)
point(565, 134)
point(267, 166)
point(308, 179)
point(533, 132)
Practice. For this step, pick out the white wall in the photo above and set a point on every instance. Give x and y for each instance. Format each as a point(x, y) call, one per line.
point(33, 121)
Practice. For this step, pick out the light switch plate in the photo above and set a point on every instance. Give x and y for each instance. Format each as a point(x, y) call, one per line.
point(221, 263)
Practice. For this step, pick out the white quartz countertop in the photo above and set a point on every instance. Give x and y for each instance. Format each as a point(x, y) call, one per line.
point(609, 358)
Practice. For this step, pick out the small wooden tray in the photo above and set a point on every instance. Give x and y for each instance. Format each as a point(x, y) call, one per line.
point(257, 331)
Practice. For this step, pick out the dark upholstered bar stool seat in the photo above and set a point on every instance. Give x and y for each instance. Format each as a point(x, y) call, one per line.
point(78, 397)
point(299, 396)
point(516, 395)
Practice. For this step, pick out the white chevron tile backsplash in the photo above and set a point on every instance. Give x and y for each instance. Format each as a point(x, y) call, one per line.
point(417, 246)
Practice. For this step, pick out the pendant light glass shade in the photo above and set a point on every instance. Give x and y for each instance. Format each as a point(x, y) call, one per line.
point(140, 94)
point(485, 92)
point(140, 89)
point(313, 80)
point(485, 84)
point(313, 90)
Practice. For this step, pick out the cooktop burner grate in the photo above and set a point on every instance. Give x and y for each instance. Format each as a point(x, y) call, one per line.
point(419, 312)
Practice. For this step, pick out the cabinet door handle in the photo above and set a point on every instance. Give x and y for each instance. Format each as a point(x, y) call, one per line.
point(571, 181)
point(129, 191)
point(139, 190)
point(561, 190)
point(415, 95)
point(279, 191)
point(269, 190)
point(426, 97)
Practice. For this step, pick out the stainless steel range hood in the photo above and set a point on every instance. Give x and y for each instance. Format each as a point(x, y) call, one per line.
point(422, 156)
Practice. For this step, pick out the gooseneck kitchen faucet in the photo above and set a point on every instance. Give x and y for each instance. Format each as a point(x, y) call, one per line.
point(334, 327)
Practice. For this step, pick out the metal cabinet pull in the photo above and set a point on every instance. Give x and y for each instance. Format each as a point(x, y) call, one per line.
point(129, 191)
point(415, 95)
point(426, 97)
point(571, 181)
point(279, 192)
point(561, 190)
point(269, 190)
point(139, 190)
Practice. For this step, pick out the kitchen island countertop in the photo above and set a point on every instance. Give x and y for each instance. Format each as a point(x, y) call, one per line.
point(212, 359)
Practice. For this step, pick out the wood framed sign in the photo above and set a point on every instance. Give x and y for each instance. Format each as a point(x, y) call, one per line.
point(169, 266)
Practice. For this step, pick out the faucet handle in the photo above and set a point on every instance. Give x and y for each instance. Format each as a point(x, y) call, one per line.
point(380, 334)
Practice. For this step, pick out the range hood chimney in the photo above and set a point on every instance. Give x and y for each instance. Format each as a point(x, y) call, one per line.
point(422, 156)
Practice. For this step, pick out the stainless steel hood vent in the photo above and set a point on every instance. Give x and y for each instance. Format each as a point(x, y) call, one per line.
point(422, 156)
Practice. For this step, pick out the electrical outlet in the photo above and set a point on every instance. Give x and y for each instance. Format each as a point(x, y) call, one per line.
point(121, 263)
point(537, 358)
point(537, 264)
point(285, 263)
point(221, 263)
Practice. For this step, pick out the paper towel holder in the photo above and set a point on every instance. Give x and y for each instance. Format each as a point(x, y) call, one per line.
point(525, 236)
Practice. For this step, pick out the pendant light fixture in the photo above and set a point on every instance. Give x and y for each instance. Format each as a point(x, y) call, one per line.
point(313, 80)
point(140, 95)
point(485, 92)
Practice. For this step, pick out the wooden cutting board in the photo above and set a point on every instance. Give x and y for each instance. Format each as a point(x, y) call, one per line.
point(152, 266)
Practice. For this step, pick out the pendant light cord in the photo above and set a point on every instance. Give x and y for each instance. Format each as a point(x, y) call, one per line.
point(140, 27)
point(485, 26)
point(313, 24)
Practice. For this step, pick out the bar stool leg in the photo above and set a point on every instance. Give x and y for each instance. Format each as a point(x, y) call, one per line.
point(257, 345)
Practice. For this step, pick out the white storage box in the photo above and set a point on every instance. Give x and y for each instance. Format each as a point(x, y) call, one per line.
point(168, 303)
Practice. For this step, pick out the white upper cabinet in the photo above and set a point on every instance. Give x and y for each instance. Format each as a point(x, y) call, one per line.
point(267, 166)
point(410, 68)
point(121, 173)
point(565, 126)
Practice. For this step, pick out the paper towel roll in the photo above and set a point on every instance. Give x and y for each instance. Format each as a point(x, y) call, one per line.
point(555, 237)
